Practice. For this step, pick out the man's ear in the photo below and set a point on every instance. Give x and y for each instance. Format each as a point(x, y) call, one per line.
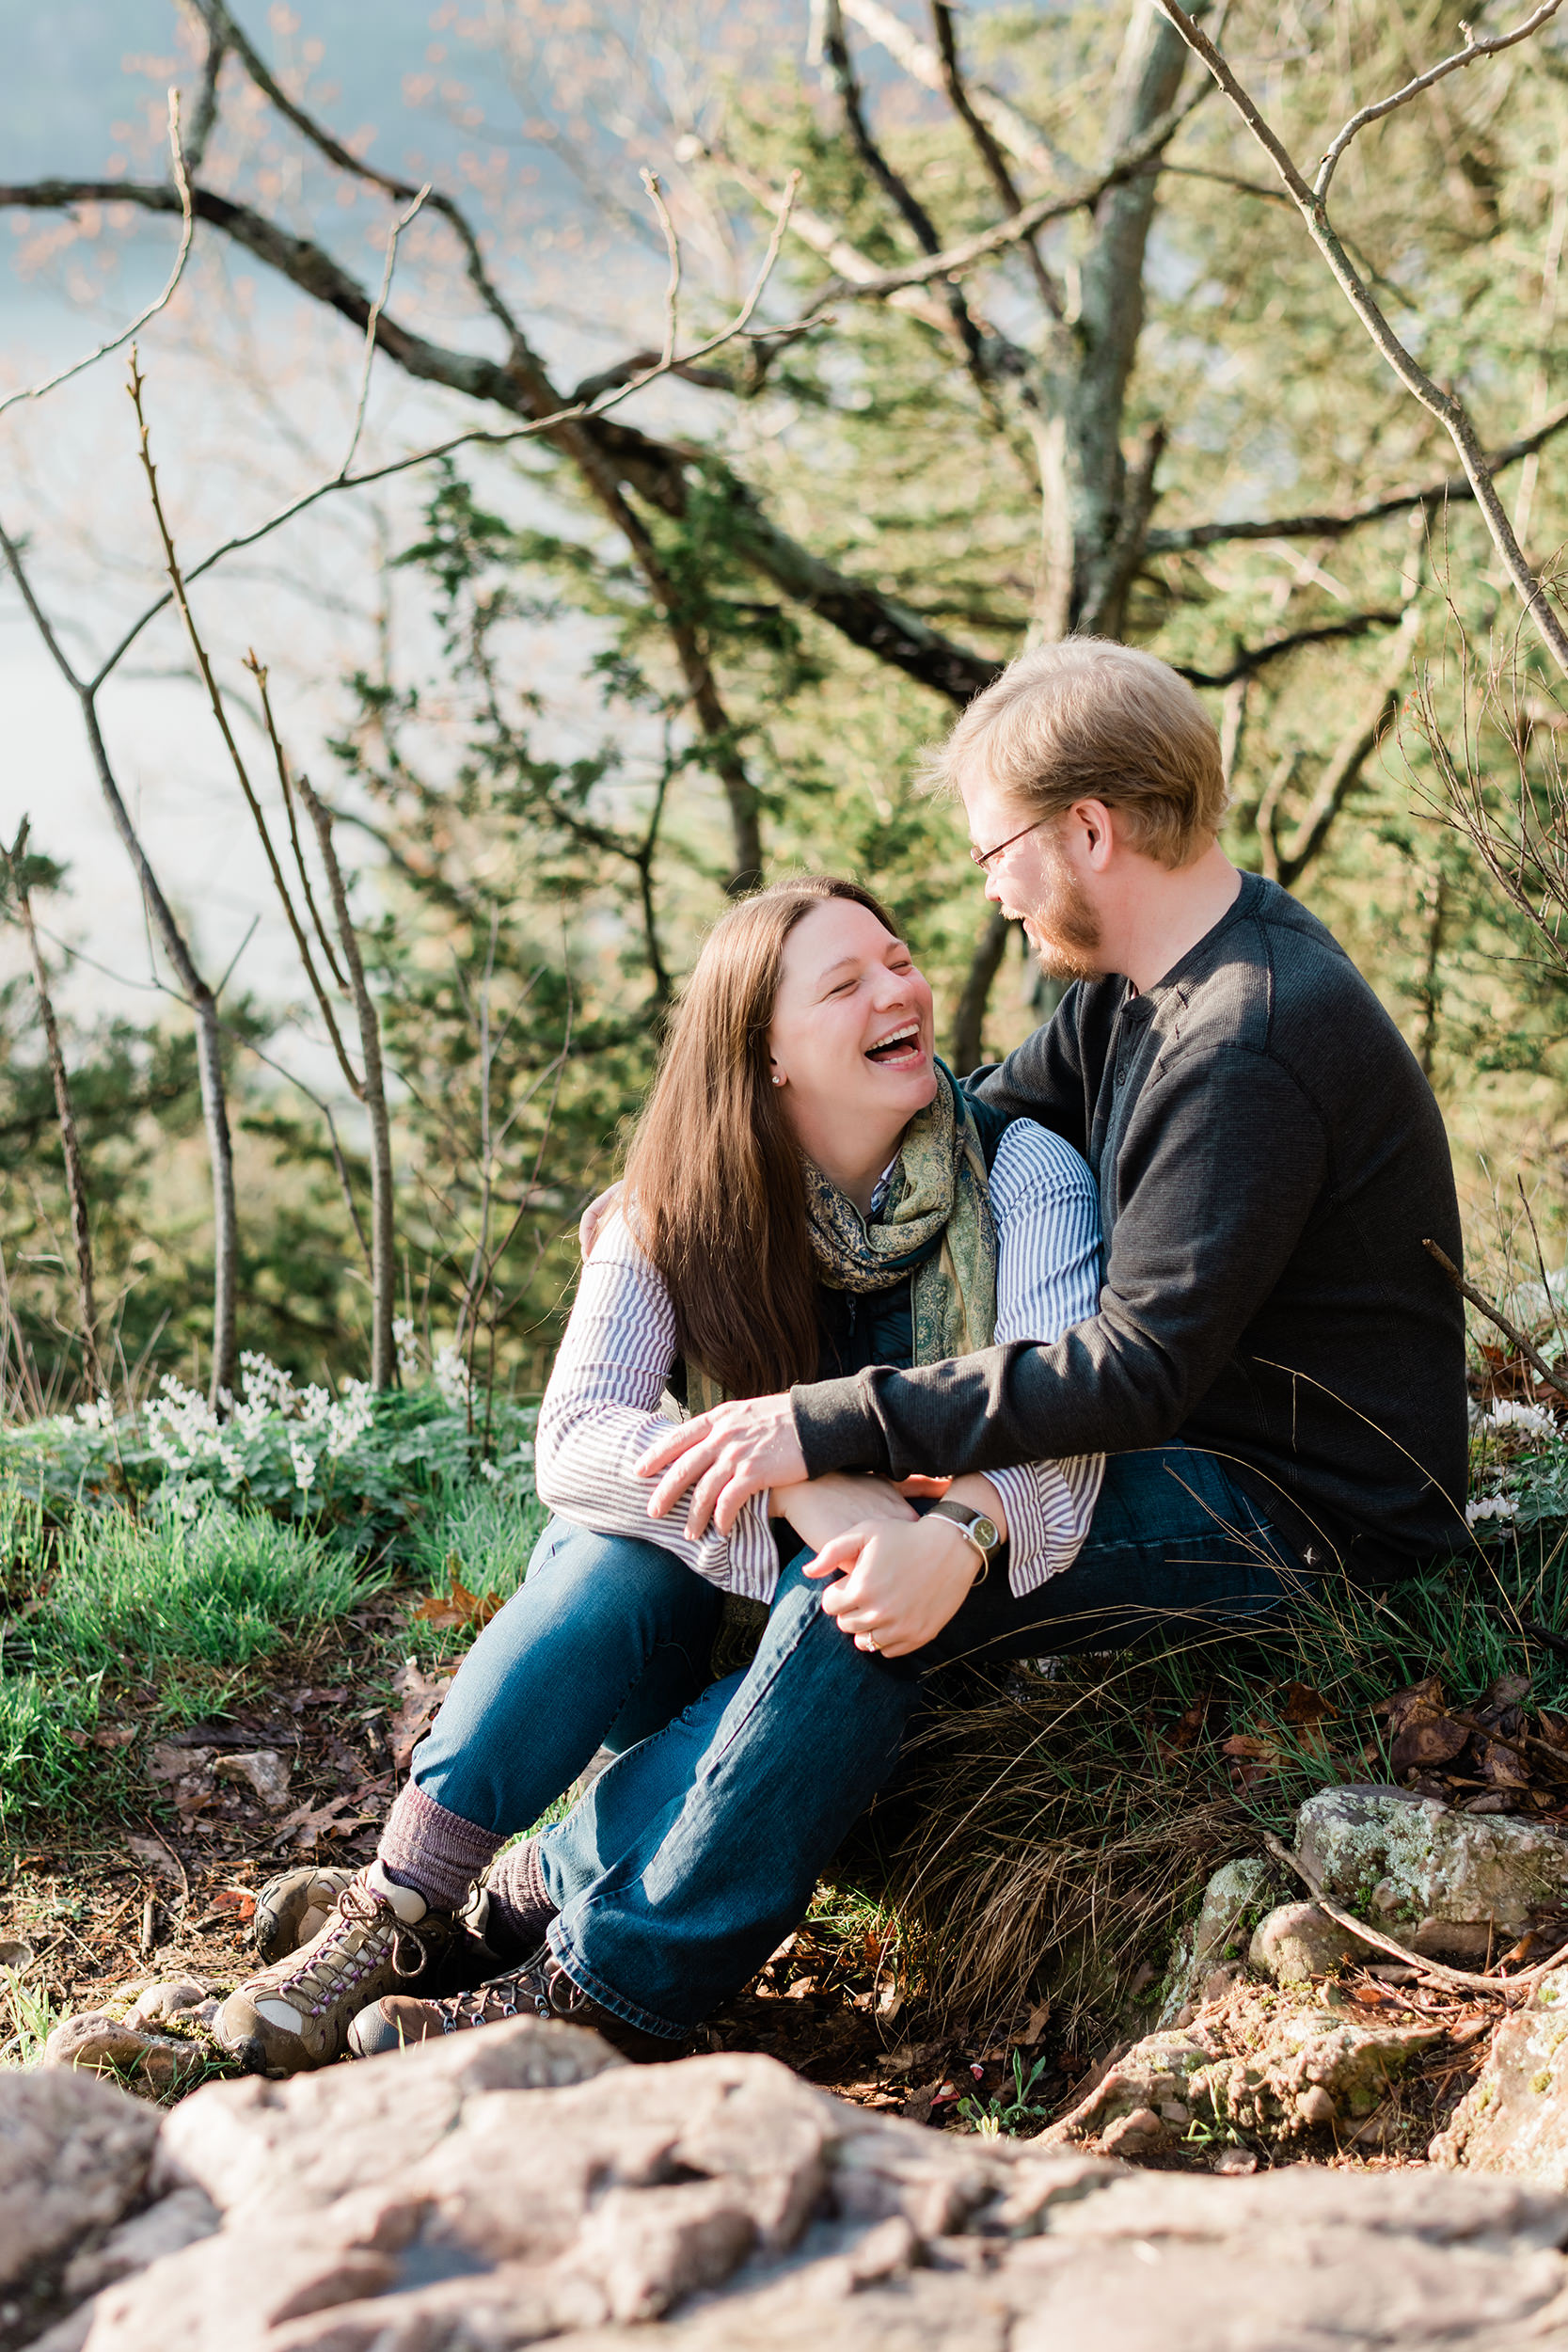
point(1096, 832)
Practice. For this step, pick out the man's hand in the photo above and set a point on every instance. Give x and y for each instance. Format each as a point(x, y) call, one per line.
point(725, 1457)
point(832, 1504)
point(597, 1214)
point(898, 1585)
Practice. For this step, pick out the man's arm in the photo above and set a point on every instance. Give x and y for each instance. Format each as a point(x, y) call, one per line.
point(1222, 1166)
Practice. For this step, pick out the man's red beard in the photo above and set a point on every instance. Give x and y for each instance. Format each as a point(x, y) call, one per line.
point(1064, 931)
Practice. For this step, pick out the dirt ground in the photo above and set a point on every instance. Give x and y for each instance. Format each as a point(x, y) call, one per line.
point(196, 1820)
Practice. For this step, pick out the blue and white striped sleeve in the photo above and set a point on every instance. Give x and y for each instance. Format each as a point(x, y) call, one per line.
point(601, 1412)
point(1048, 1274)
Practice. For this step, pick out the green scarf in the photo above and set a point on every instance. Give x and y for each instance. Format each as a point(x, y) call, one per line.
point(935, 1224)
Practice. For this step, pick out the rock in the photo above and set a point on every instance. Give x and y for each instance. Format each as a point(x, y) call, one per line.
point(93, 2041)
point(1514, 2116)
point(1413, 1867)
point(1310, 2067)
point(1217, 1935)
point(173, 2223)
point(266, 1770)
point(73, 2156)
point(157, 2003)
point(1141, 2134)
point(1297, 1942)
point(522, 2184)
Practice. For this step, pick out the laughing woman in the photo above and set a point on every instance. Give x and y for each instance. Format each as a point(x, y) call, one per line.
point(810, 1194)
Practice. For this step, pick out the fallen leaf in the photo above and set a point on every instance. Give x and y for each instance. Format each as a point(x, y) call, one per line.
point(456, 1606)
point(153, 1855)
point(1432, 1740)
point(238, 1900)
point(1039, 2017)
point(421, 1695)
point(114, 1736)
point(1301, 1704)
point(1244, 1744)
point(1503, 1766)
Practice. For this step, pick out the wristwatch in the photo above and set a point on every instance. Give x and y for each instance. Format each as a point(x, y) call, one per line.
point(977, 1528)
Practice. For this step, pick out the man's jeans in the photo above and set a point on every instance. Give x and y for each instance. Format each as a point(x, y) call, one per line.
point(694, 1854)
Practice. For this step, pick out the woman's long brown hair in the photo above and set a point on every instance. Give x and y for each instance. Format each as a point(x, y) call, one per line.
point(714, 1183)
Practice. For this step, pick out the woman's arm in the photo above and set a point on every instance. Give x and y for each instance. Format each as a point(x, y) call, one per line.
point(601, 1412)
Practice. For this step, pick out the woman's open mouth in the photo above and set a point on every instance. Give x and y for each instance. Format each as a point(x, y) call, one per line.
point(901, 1049)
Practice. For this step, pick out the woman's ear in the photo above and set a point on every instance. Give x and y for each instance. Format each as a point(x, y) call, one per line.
point(775, 1072)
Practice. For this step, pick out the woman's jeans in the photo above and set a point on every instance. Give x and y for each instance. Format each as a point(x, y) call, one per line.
point(691, 1857)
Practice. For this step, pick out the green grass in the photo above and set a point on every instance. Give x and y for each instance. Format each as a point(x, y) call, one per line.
point(217, 1590)
point(489, 1538)
point(171, 1612)
point(27, 2018)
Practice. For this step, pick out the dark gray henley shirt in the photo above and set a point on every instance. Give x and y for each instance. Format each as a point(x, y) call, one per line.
point(1270, 1160)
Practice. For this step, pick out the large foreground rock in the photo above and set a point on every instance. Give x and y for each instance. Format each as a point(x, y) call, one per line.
point(521, 2186)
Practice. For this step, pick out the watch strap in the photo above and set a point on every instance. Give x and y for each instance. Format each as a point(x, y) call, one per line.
point(969, 1522)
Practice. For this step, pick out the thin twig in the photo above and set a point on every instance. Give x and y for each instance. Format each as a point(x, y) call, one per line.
point(570, 412)
point(187, 233)
point(654, 186)
point(1473, 48)
point(1510, 1330)
point(372, 322)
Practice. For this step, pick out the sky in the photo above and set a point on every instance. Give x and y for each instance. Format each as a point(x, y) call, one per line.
point(238, 429)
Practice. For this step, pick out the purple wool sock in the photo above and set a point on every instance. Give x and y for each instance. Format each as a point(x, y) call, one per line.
point(521, 1907)
point(437, 1853)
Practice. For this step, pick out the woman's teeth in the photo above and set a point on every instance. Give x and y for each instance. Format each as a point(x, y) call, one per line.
point(904, 1045)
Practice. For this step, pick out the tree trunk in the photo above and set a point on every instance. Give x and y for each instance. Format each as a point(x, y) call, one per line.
point(970, 1013)
point(75, 1172)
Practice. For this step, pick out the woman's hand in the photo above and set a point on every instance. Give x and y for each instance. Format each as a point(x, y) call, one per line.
point(899, 1585)
point(820, 1508)
point(596, 1216)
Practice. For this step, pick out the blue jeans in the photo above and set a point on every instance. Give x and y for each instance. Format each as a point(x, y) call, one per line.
point(691, 1856)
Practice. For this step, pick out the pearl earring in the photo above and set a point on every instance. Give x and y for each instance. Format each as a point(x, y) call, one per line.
point(778, 1081)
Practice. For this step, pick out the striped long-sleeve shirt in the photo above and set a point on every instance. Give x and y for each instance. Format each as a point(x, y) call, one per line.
point(601, 1413)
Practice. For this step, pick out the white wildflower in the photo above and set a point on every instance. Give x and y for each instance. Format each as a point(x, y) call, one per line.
point(405, 1339)
point(347, 1421)
point(304, 1465)
point(1494, 1508)
point(100, 1414)
point(267, 1384)
point(452, 1377)
point(1531, 1421)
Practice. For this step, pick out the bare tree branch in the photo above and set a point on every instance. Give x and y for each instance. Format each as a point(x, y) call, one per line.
point(1475, 47)
point(1445, 406)
point(1451, 489)
point(1023, 140)
point(963, 104)
point(1343, 769)
point(841, 65)
point(187, 231)
point(969, 1014)
point(1255, 657)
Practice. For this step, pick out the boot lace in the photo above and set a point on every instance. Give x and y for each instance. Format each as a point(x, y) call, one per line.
point(345, 1958)
point(522, 1990)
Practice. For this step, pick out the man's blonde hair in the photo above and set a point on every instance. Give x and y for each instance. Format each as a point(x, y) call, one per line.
point(1089, 720)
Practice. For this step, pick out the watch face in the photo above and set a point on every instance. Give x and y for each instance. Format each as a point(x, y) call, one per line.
point(986, 1533)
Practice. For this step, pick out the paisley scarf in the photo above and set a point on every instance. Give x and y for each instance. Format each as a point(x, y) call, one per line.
point(934, 1224)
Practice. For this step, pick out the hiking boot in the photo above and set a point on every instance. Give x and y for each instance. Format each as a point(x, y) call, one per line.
point(295, 2016)
point(541, 1988)
point(292, 1908)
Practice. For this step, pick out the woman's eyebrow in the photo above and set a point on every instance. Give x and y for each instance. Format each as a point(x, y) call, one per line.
point(844, 964)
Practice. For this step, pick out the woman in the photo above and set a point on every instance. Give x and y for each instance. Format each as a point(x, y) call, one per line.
point(809, 1194)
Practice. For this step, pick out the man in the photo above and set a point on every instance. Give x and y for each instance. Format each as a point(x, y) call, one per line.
point(1273, 1339)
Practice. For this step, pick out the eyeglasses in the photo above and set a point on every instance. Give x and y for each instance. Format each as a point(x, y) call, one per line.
point(983, 857)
